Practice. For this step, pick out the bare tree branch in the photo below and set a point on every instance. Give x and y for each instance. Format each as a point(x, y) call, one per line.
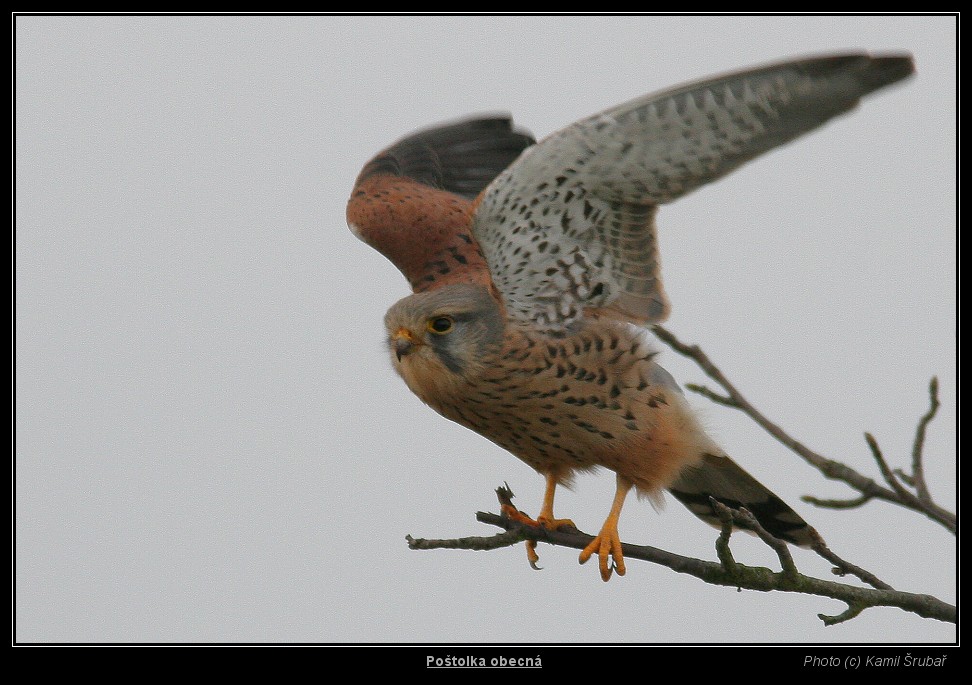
point(726, 572)
point(834, 470)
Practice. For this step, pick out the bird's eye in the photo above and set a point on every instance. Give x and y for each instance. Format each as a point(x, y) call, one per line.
point(440, 325)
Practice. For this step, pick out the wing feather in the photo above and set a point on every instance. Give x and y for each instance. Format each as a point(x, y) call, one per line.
point(461, 157)
point(570, 225)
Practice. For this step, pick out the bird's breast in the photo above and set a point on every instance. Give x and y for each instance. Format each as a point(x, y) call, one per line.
point(592, 399)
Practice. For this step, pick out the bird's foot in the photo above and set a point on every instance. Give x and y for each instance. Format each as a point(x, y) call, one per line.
point(509, 511)
point(551, 523)
point(607, 544)
point(542, 521)
point(548, 523)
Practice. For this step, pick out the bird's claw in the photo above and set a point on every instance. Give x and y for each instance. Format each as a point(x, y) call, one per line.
point(607, 544)
point(532, 556)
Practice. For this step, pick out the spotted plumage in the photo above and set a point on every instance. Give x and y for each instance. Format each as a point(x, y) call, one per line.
point(592, 189)
point(535, 266)
point(560, 404)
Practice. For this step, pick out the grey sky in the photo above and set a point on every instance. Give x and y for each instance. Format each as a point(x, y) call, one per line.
point(211, 444)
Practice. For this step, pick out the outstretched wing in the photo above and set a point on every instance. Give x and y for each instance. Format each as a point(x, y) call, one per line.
point(412, 202)
point(570, 225)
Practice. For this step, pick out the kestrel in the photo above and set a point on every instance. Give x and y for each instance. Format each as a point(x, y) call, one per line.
point(535, 271)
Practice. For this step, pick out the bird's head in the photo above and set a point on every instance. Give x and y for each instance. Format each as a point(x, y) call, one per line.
point(443, 335)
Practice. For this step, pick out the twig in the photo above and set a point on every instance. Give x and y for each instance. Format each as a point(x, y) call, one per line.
point(712, 395)
point(480, 544)
point(749, 522)
point(722, 542)
point(852, 610)
point(842, 567)
point(906, 497)
point(917, 468)
point(909, 481)
point(834, 470)
point(837, 503)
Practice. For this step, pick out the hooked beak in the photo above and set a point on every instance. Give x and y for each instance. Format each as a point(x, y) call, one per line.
point(404, 341)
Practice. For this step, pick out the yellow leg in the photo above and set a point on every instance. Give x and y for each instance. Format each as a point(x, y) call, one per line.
point(608, 542)
point(546, 517)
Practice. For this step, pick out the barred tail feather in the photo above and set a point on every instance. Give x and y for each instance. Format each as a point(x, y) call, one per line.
point(721, 478)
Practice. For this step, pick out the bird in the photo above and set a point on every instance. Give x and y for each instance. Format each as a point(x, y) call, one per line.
point(535, 278)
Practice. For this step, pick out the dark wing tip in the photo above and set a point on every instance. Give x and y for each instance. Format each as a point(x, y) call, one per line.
point(871, 72)
point(461, 157)
point(888, 69)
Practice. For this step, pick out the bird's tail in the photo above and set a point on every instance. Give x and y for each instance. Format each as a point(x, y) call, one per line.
point(721, 478)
